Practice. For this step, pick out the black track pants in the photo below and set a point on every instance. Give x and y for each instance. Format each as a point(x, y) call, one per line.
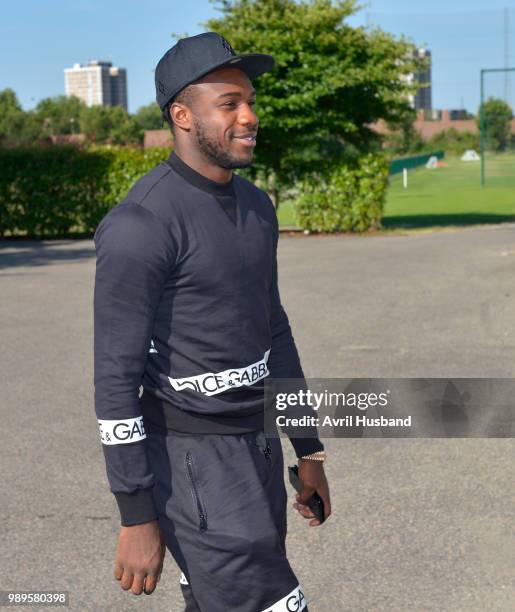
point(221, 501)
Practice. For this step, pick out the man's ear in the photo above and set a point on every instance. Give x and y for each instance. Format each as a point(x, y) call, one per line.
point(181, 115)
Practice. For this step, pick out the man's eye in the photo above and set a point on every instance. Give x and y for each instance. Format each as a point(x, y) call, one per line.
point(233, 104)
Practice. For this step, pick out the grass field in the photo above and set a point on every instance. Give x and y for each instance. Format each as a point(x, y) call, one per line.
point(450, 195)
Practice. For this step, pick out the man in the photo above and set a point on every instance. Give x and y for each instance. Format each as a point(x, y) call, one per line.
point(187, 305)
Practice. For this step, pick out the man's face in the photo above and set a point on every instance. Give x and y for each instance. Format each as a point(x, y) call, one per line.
point(223, 122)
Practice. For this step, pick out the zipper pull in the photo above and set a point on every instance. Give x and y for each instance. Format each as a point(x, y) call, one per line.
point(203, 522)
point(268, 451)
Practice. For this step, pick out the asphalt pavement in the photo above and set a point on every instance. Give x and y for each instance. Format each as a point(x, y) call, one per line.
point(417, 525)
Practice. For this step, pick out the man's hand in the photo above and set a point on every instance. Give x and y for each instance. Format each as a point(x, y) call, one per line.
point(139, 557)
point(312, 478)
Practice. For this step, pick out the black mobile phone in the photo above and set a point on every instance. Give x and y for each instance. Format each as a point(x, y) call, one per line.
point(315, 502)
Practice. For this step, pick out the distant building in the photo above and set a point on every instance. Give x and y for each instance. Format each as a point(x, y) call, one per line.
point(97, 83)
point(421, 100)
point(459, 113)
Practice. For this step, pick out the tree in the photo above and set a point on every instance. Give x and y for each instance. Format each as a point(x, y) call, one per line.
point(497, 115)
point(149, 117)
point(454, 142)
point(329, 83)
point(11, 114)
point(60, 114)
point(16, 126)
point(9, 102)
point(403, 137)
point(109, 124)
point(64, 115)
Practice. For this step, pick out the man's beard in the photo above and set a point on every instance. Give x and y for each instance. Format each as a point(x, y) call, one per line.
point(212, 150)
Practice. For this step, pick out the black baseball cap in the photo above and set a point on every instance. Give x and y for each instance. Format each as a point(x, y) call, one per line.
point(193, 57)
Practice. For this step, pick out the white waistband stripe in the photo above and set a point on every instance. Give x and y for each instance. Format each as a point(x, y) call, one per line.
point(121, 432)
point(293, 602)
point(212, 383)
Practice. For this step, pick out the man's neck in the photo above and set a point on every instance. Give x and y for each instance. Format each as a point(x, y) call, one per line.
point(200, 165)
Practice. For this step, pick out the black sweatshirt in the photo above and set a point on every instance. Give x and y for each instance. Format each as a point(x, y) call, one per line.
point(186, 305)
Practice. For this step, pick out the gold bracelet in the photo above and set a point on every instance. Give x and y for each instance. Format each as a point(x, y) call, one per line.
point(318, 456)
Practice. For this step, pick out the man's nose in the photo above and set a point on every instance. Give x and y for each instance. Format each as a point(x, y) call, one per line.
point(247, 116)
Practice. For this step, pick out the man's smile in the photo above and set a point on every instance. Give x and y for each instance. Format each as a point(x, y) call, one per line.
point(248, 140)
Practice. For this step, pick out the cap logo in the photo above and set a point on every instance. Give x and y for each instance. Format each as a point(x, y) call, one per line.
point(227, 46)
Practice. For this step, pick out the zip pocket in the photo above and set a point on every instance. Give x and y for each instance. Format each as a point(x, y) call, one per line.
point(202, 515)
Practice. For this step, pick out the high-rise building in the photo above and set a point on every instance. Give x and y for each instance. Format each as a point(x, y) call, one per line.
point(97, 83)
point(422, 98)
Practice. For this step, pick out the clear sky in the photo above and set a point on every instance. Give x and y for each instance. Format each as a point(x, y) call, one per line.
point(38, 39)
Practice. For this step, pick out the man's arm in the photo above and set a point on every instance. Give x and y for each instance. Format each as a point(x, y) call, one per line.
point(283, 361)
point(133, 261)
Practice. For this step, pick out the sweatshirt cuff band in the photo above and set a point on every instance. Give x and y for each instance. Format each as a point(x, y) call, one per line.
point(306, 446)
point(136, 507)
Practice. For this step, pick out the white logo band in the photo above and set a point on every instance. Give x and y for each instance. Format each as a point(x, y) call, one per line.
point(212, 383)
point(121, 432)
point(293, 602)
point(183, 579)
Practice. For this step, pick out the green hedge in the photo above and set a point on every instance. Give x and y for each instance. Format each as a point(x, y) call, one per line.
point(349, 199)
point(62, 190)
